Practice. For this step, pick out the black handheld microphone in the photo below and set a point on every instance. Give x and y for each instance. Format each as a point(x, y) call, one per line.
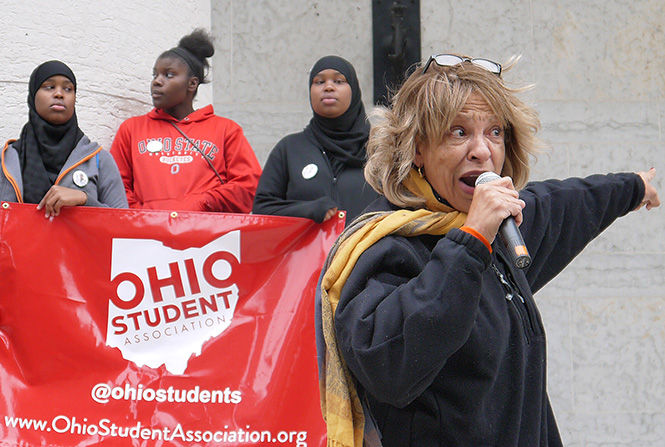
point(508, 230)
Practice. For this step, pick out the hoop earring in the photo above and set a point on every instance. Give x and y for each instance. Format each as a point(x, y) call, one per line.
point(420, 171)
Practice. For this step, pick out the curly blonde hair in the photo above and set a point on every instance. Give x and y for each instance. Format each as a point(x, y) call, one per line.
point(421, 113)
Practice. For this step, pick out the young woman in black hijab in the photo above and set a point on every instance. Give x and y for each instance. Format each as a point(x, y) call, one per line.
point(53, 164)
point(316, 172)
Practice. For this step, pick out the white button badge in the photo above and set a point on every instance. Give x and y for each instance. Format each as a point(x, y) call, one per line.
point(309, 171)
point(80, 178)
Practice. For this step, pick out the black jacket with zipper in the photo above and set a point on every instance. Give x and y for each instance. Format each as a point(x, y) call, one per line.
point(445, 352)
point(287, 188)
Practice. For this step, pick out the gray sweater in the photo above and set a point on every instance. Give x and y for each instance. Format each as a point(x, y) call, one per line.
point(103, 187)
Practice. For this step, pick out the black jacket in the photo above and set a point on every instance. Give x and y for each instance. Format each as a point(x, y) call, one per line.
point(441, 354)
point(284, 189)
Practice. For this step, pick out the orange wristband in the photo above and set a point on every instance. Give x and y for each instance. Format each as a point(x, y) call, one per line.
point(478, 236)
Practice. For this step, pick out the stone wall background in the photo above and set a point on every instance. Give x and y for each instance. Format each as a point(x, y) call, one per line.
point(110, 46)
point(598, 67)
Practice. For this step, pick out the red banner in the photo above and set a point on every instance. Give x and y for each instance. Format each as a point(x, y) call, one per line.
point(151, 328)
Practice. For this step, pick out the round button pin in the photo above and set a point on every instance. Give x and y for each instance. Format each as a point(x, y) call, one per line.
point(309, 171)
point(154, 146)
point(80, 178)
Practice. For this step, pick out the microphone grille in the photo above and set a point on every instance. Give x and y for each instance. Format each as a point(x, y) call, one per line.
point(486, 176)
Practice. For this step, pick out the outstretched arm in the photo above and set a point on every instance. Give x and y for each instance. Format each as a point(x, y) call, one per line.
point(565, 215)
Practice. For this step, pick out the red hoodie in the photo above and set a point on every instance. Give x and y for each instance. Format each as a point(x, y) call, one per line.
point(162, 170)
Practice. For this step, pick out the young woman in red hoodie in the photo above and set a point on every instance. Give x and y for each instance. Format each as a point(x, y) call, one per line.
point(178, 158)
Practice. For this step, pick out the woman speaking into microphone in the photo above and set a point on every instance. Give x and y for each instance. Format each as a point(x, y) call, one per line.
point(428, 334)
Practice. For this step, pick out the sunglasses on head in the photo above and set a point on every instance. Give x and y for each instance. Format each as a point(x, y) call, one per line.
point(450, 60)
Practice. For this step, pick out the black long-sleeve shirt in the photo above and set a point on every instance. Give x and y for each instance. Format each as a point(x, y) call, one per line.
point(298, 181)
point(445, 339)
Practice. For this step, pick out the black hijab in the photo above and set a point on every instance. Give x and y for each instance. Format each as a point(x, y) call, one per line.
point(343, 138)
point(43, 148)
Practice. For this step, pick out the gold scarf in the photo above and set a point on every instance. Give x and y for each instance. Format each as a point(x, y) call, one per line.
point(340, 403)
